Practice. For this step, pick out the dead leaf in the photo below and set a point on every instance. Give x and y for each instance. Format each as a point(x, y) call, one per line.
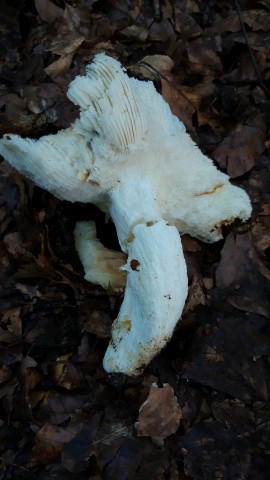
point(238, 151)
point(48, 10)
point(73, 30)
point(95, 322)
point(49, 443)
point(180, 104)
point(76, 452)
point(63, 63)
point(238, 278)
point(57, 407)
point(160, 414)
point(196, 295)
point(186, 102)
point(203, 54)
point(139, 33)
point(212, 450)
point(255, 19)
point(219, 360)
point(5, 373)
point(66, 374)
point(152, 66)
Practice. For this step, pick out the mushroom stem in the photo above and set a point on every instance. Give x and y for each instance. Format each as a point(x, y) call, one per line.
point(156, 287)
point(132, 201)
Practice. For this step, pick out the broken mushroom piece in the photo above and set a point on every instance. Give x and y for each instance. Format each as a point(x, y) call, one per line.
point(101, 265)
point(130, 156)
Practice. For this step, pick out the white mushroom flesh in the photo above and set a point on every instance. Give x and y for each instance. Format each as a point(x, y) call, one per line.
point(155, 295)
point(101, 265)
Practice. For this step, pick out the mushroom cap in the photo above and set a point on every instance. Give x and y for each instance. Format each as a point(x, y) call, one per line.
point(125, 130)
point(132, 132)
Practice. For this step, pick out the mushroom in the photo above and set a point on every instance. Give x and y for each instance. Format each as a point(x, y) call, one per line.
point(130, 156)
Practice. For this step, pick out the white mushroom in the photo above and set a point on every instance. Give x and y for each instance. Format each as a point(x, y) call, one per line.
point(128, 154)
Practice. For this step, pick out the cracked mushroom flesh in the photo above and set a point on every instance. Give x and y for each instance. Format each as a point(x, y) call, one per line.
point(130, 156)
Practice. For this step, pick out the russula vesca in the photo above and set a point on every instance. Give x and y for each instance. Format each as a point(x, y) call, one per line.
point(130, 156)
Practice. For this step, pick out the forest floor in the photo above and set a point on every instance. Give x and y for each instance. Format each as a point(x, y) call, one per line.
point(62, 416)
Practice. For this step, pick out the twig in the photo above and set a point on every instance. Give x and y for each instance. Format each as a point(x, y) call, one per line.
point(10, 464)
point(110, 435)
point(252, 58)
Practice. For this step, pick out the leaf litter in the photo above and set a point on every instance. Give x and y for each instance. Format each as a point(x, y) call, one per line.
point(201, 409)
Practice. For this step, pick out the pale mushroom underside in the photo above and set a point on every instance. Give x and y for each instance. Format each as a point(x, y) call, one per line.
point(130, 156)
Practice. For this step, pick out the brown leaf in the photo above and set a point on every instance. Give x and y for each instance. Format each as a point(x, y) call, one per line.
point(49, 443)
point(95, 322)
point(66, 49)
point(161, 31)
point(13, 242)
point(59, 66)
point(203, 52)
point(185, 101)
point(160, 414)
point(110, 437)
point(238, 278)
point(218, 358)
point(13, 316)
point(255, 19)
point(73, 30)
point(139, 33)
point(5, 373)
point(76, 453)
point(232, 411)
point(14, 117)
point(48, 11)
point(239, 149)
point(196, 295)
point(244, 70)
point(58, 407)
point(151, 66)
point(212, 450)
point(66, 374)
point(180, 104)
